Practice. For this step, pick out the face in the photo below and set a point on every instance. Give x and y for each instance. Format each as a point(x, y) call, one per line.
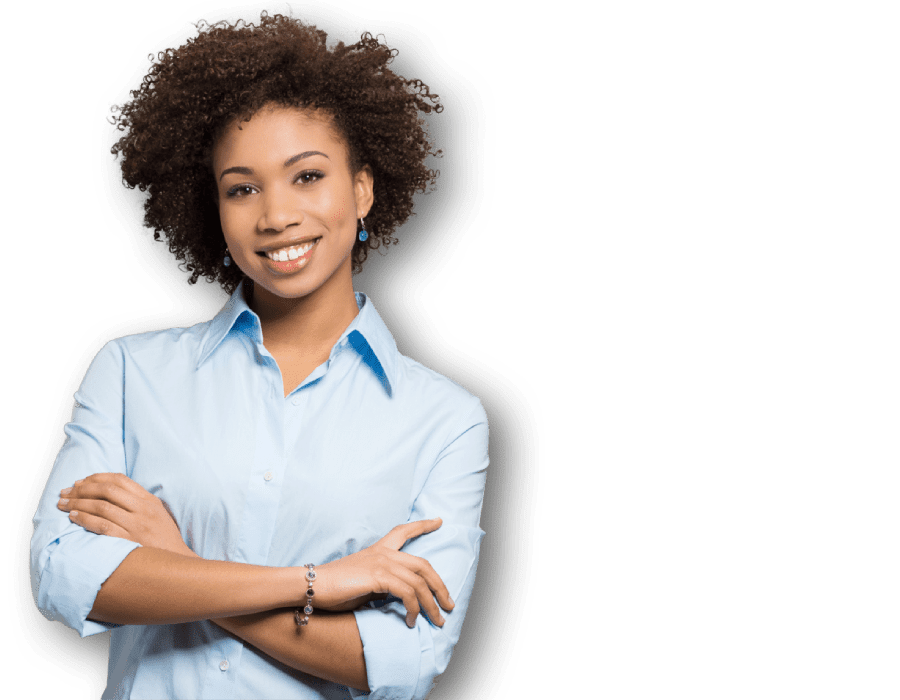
point(288, 202)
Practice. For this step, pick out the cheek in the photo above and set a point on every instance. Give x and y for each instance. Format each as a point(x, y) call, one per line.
point(224, 223)
point(233, 224)
point(338, 215)
point(240, 246)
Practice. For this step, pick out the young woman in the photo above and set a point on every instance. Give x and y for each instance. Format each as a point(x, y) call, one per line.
point(274, 503)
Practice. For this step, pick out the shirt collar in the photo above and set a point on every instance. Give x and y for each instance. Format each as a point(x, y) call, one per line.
point(235, 309)
point(371, 339)
point(366, 334)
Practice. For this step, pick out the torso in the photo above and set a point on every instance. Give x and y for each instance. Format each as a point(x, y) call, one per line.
point(255, 478)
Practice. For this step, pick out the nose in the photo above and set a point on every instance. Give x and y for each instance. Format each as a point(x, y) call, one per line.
point(280, 210)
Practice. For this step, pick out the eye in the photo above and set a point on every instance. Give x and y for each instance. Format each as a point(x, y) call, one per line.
point(307, 177)
point(240, 191)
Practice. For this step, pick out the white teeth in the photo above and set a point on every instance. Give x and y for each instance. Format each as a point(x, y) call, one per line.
point(291, 253)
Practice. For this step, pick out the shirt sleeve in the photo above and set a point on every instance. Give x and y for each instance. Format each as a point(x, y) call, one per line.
point(68, 563)
point(402, 663)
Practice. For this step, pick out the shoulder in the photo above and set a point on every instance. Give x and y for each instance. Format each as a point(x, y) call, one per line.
point(169, 344)
point(429, 391)
point(417, 377)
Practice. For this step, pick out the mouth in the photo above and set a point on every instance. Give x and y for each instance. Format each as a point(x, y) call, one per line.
point(290, 258)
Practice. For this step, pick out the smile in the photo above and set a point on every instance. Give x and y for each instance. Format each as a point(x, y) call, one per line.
point(290, 252)
point(290, 258)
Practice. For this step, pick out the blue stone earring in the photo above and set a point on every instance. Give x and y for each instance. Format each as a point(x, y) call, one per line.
point(363, 235)
point(227, 260)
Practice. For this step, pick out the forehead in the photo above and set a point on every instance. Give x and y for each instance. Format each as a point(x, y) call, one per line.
point(274, 134)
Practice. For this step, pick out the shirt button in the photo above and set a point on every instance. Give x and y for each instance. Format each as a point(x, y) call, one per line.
point(296, 401)
point(268, 476)
point(223, 666)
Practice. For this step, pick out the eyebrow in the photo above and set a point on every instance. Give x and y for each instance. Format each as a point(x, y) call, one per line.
point(241, 170)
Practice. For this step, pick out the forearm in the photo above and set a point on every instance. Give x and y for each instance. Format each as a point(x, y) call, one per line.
point(328, 647)
point(154, 586)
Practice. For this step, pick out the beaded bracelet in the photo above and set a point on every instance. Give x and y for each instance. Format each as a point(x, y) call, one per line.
point(310, 578)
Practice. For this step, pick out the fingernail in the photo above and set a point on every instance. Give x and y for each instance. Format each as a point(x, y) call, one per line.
point(63, 502)
point(78, 482)
point(441, 621)
point(66, 491)
point(73, 514)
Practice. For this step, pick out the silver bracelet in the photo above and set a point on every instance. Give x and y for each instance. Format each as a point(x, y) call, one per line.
point(308, 610)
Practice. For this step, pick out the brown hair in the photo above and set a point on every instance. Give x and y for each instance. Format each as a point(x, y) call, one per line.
point(230, 71)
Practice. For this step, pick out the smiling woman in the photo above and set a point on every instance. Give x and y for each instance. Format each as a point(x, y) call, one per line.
point(313, 191)
point(275, 503)
point(289, 202)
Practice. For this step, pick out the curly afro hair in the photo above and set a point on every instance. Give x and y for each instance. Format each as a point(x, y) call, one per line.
point(230, 71)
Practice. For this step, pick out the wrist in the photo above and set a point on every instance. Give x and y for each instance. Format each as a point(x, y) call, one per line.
point(301, 618)
point(321, 583)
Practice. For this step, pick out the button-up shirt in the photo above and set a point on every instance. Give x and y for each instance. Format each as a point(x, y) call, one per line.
point(198, 417)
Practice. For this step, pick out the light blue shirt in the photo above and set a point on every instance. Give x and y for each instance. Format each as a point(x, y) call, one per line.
point(198, 417)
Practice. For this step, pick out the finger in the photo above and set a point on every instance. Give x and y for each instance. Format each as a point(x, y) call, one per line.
point(120, 480)
point(102, 491)
point(424, 569)
point(401, 534)
point(97, 525)
point(398, 587)
point(97, 509)
point(424, 595)
point(106, 493)
point(119, 489)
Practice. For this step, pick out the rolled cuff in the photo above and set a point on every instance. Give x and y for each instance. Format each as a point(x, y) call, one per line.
point(400, 662)
point(77, 566)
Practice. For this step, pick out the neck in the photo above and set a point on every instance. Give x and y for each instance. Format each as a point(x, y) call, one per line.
point(308, 325)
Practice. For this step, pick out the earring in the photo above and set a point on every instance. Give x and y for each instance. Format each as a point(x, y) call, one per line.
point(227, 260)
point(363, 235)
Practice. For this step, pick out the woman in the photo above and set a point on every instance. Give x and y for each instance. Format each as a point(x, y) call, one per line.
point(232, 498)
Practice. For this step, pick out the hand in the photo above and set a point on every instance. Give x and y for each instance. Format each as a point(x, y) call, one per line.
point(383, 569)
point(112, 504)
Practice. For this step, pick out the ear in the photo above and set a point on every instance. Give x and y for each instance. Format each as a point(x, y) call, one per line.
point(363, 189)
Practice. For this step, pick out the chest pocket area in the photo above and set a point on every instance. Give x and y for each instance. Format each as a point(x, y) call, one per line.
point(347, 496)
point(200, 474)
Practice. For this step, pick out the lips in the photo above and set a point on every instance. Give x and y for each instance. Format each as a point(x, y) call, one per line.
point(289, 252)
point(290, 258)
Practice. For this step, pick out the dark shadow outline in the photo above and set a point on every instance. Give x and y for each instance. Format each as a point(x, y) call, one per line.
point(402, 285)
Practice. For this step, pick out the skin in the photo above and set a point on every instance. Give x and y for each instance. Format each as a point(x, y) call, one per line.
point(283, 177)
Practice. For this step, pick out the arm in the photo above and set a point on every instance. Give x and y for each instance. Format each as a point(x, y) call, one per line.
point(154, 587)
point(328, 647)
point(174, 587)
point(165, 582)
point(334, 651)
point(68, 564)
point(404, 665)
